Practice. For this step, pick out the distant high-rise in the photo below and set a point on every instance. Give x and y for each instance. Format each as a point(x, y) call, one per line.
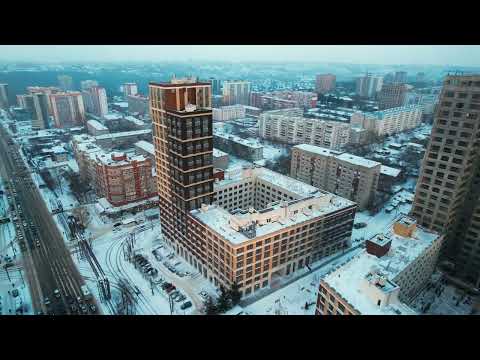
point(4, 103)
point(236, 92)
point(368, 85)
point(40, 114)
point(420, 77)
point(68, 110)
point(216, 86)
point(392, 95)
point(130, 89)
point(85, 84)
point(325, 83)
point(447, 197)
point(44, 90)
point(65, 82)
point(95, 99)
point(400, 77)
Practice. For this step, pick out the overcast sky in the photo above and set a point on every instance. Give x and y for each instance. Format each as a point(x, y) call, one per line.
point(365, 54)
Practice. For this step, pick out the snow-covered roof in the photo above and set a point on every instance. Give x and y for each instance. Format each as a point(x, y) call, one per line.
point(348, 279)
point(59, 150)
point(317, 149)
point(218, 153)
point(97, 125)
point(389, 171)
point(112, 116)
point(251, 143)
point(145, 146)
point(134, 120)
point(123, 134)
point(357, 160)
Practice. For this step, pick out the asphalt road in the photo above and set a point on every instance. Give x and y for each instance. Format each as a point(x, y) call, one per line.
point(47, 262)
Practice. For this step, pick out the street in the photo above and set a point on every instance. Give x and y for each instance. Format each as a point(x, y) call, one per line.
point(47, 262)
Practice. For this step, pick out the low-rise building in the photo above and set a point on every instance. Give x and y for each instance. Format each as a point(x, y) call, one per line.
point(388, 177)
point(137, 104)
point(384, 277)
point(243, 148)
point(95, 128)
point(220, 159)
point(145, 148)
point(125, 138)
point(352, 177)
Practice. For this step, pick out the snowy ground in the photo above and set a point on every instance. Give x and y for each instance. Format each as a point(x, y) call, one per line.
point(378, 222)
point(291, 299)
point(444, 299)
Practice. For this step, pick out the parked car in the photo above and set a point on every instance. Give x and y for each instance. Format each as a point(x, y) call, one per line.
point(180, 298)
point(186, 305)
point(56, 293)
point(203, 294)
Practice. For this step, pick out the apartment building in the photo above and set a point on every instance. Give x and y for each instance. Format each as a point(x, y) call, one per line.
point(130, 89)
point(4, 102)
point(40, 116)
point(247, 149)
point(392, 96)
point(122, 178)
point(352, 177)
point(145, 148)
point(325, 83)
point(220, 159)
point(137, 104)
point(252, 247)
point(86, 84)
point(386, 276)
point(290, 126)
point(67, 109)
point(265, 225)
point(95, 98)
point(283, 100)
point(96, 128)
point(368, 86)
point(447, 197)
point(389, 121)
point(31, 90)
point(236, 92)
point(84, 151)
point(65, 82)
point(227, 113)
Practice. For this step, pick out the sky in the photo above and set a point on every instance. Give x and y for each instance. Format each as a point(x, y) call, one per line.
point(460, 55)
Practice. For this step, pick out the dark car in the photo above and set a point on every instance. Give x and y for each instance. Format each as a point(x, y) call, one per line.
point(186, 305)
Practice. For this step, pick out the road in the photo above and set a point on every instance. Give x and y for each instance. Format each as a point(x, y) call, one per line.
point(47, 262)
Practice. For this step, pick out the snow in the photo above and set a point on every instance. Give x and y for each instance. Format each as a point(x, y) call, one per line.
point(218, 153)
point(123, 134)
point(145, 146)
point(389, 171)
point(316, 149)
point(357, 160)
point(291, 297)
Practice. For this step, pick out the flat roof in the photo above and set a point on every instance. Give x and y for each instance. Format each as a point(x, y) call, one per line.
point(347, 279)
point(317, 149)
point(389, 171)
point(146, 146)
point(218, 153)
point(357, 160)
point(186, 84)
point(123, 134)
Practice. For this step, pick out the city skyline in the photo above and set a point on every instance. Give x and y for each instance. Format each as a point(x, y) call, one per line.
point(452, 55)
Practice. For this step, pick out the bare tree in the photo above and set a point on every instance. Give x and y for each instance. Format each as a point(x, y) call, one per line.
point(82, 215)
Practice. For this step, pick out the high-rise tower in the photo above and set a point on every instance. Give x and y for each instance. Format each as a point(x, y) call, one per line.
point(182, 116)
point(447, 197)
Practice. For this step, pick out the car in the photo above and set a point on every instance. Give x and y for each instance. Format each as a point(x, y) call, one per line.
point(177, 263)
point(203, 294)
point(170, 289)
point(359, 225)
point(84, 309)
point(186, 305)
point(37, 243)
point(388, 209)
point(47, 301)
point(174, 294)
point(181, 274)
point(56, 292)
point(180, 298)
point(93, 308)
point(73, 308)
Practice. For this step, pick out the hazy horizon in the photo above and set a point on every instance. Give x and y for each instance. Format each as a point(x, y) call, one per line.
point(428, 55)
